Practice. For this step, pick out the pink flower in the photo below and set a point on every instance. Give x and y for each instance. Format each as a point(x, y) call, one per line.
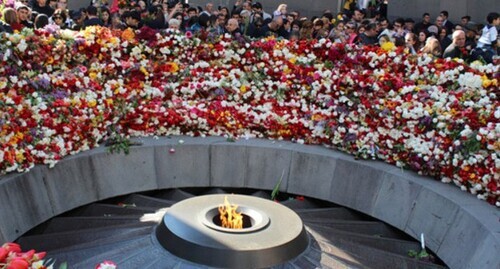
point(106, 265)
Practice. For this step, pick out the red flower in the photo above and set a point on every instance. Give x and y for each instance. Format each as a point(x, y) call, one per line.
point(18, 263)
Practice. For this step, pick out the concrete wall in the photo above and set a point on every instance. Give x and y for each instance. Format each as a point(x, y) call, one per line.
point(477, 9)
point(460, 229)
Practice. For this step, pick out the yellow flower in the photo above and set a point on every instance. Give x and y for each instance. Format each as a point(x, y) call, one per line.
point(243, 89)
point(20, 156)
point(92, 103)
point(388, 46)
point(93, 75)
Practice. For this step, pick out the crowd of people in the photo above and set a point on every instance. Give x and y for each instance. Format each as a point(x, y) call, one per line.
point(360, 22)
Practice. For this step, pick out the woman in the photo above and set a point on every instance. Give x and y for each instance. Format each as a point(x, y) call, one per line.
point(422, 38)
point(10, 18)
point(432, 47)
point(59, 18)
point(281, 11)
point(105, 17)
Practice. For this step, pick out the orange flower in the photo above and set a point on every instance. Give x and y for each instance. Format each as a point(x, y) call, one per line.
point(128, 35)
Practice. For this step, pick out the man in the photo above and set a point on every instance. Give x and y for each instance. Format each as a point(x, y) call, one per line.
point(457, 47)
point(369, 36)
point(446, 23)
point(257, 8)
point(133, 19)
point(208, 9)
point(23, 14)
point(92, 18)
point(41, 7)
point(424, 24)
point(358, 16)
point(233, 28)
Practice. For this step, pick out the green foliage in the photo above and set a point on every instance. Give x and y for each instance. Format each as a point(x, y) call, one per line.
point(276, 189)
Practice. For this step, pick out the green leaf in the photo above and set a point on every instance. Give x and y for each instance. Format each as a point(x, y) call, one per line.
point(63, 265)
point(276, 188)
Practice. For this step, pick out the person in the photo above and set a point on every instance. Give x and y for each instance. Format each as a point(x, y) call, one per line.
point(105, 17)
point(23, 14)
point(59, 18)
point(422, 38)
point(369, 36)
point(432, 47)
point(92, 18)
point(133, 19)
point(41, 21)
point(281, 11)
point(233, 27)
point(10, 18)
point(42, 7)
point(457, 47)
point(174, 24)
point(443, 37)
point(424, 23)
point(488, 42)
point(411, 42)
point(448, 25)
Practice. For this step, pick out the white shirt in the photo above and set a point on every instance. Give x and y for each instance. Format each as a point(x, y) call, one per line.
point(488, 37)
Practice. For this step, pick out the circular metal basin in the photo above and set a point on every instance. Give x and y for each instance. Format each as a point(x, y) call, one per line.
point(275, 233)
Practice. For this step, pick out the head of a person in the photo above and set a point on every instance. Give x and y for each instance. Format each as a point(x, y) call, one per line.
point(91, 11)
point(59, 17)
point(493, 18)
point(409, 24)
point(398, 24)
point(23, 13)
point(174, 24)
point(383, 39)
point(192, 12)
point(41, 21)
point(383, 24)
point(422, 36)
point(282, 8)
point(232, 24)
point(209, 7)
point(247, 6)
point(371, 29)
point(439, 21)
point(358, 16)
point(105, 14)
point(464, 20)
point(410, 39)
point(62, 4)
point(296, 26)
point(426, 17)
point(10, 15)
point(459, 38)
point(41, 3)
point(444, 14)
point(350, 28)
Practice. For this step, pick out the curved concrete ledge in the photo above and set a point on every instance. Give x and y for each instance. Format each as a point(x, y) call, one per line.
point(462, 230)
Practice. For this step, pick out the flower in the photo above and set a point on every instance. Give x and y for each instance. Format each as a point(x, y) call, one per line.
point(106, 265)
point(67, 93)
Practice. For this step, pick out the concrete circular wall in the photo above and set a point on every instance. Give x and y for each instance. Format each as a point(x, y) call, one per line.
point(462, 230)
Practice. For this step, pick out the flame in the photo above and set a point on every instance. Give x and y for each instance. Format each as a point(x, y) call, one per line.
point(229, 217)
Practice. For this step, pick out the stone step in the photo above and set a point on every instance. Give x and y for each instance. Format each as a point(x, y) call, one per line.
point(110, 210)
point(55, 241)
point(118, 253)
point(369, 257)
point(299, 204)
point(261, 194)
point(147, 201)
point(79, 253)
point(331, 213)
point(373, 228)
point(315, 256)
point(174, 195)
point(64, 224)
point(396, 246)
